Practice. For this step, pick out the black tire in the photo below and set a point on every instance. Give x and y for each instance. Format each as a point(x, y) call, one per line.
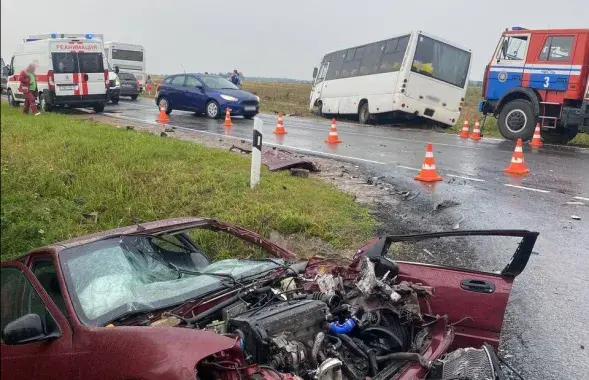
point(134, 97)
point(164, 102)
point(320, 109)
point(212, 110)
point(115, 100)
point(44, 104)
point(517, 120)
point(364, 116)
point(558, 136)
point(11, 100)
point(98, 108)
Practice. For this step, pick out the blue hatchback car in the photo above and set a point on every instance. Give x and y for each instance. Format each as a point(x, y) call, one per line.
point(204, 93)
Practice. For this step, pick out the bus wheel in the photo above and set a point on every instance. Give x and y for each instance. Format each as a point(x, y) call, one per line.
point(517, 120)
point(364, 116)
point(558, 136)
point(320, 109)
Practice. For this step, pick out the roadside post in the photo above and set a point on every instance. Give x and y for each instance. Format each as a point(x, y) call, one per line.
point(256, 152)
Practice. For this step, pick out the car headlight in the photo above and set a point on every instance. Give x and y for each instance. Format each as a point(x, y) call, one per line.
point(257, 97)
point(229, 98)
point(117, 82)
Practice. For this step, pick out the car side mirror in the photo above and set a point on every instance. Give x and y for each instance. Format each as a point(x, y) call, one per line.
point(117, 69)
point(25, 329)
point(315, 70)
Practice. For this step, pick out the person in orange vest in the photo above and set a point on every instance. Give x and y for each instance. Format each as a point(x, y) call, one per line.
point(28, 86)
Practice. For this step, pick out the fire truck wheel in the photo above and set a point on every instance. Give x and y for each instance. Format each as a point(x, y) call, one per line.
point(558, 136)
point(517, 120)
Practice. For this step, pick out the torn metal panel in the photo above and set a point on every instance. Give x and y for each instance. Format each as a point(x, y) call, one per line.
point(276, 159)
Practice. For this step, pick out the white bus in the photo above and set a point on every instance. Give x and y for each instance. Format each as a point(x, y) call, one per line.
point(416, 74)
point(128, 58)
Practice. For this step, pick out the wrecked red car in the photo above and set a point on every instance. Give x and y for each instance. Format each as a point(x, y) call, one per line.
point(146, 302)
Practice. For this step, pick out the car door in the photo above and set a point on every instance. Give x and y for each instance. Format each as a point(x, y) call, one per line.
point(194, 93)
point(507, 67)
point(176, 92)
point(475, 301)
point(92, 75)
point(45, 358)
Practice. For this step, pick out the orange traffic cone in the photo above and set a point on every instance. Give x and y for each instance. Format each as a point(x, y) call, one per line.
point(537, 140)
point(333, 138)
point(279, 130)
point(163, 116)
point(476, 131)
point(517, 165)
point(465, 129)
point(228, 122)
point(428, 171)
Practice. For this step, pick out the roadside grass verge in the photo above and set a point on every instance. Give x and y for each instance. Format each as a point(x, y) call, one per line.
point(57, 170)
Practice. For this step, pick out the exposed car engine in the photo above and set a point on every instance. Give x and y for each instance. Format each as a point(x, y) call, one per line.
point(332, 328)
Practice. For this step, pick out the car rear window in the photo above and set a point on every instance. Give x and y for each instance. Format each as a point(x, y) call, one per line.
point(127, 76)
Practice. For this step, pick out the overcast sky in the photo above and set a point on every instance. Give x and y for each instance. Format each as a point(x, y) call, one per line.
point(277, 38)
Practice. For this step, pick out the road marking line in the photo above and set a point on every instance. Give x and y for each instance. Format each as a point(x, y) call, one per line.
point(527, 188)
point(468, 178)
point(408, 168)
point(581, 198)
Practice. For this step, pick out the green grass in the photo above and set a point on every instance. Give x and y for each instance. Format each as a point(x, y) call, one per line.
point(55, 169)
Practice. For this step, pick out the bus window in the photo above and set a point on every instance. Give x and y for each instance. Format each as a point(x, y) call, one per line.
point(334, 70)
point(350, 69)
point(371, 58)
point(441, 61)
point(350, 54)
point(393, 55)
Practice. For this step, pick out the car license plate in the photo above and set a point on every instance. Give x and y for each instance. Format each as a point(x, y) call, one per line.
point(249, 108)
point(127, 85)
point(68, 87)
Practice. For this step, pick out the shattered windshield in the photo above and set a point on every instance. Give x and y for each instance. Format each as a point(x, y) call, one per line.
point(111, 277)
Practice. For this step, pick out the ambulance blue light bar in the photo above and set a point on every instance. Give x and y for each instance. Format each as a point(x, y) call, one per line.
point(53, 35)
point(89, 36)
point(518, 28)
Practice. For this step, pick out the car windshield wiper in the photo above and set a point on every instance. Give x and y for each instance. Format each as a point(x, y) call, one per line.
point(130, 314)
point(182, 271)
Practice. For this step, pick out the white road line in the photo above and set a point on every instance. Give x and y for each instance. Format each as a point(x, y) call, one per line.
point(468, 178)
point(408, 168)
point(581, 198)
point(527, 188)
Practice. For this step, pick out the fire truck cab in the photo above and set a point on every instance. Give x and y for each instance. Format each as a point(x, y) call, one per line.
point(539, 76)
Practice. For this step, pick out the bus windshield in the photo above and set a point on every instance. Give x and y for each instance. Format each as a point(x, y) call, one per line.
point(127, 55)
point(441, 61)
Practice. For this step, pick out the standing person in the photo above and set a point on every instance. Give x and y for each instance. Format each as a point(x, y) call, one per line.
point(28, 86)
point(149, 84)
point(235, 78)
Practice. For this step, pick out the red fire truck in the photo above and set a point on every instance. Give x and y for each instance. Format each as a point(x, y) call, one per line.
point(539, 76)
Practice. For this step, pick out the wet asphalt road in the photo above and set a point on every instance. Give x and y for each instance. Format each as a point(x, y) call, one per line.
point(546, 329)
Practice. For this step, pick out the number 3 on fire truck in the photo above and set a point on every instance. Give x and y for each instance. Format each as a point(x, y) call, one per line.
point(546, 82)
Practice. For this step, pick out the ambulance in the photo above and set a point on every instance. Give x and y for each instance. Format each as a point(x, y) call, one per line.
point(70, 71)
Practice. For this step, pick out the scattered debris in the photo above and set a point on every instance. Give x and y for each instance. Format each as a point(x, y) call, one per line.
point(169, 129)
point(276, 159)
point(457, 225)
point(298, 172)
point(411, 196)
point(372, 180)
point(129, 128)
point(163, 134)
point(445, 204)
point(235, 148)
point(92, 216)
point(574, 203)
point(575, 217)
point(428, 252)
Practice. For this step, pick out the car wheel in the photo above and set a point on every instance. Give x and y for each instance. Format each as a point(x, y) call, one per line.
point(517, 120)
point(115, 100)
point(165, 104)
point(212, 110)
point(559, 135)
point(98, 108)
point(11, 100)
point(134, 97)
point(44, 104)
point(364, 116)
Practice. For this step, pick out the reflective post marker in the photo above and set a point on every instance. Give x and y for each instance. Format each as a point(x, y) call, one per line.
point(256, 152)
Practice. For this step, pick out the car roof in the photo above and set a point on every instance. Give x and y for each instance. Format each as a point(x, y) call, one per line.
point(147, 228)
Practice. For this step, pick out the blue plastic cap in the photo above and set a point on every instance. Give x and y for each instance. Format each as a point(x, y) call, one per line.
point(342, 328)
point(89, 36)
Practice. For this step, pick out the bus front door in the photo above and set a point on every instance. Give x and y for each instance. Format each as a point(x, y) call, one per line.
point(318, 86)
